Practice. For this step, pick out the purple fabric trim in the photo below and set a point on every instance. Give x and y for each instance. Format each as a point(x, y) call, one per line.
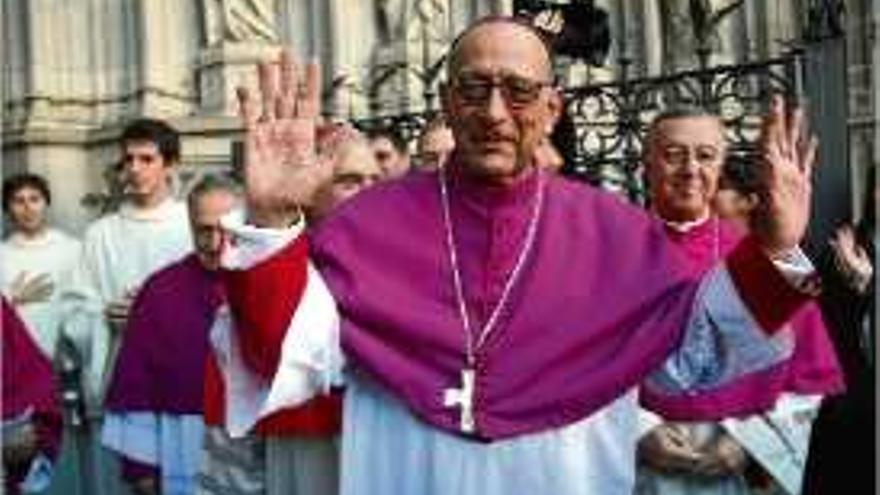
point(600, 304)
point(133, 470)
point(812, 368)
point(28, 378)
point(28, 383)
point(162, 359)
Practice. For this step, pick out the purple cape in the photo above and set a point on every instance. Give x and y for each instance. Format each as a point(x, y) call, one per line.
point(601, 302)
point(162, 359)
point(812, 368)
point(28, 383)
point(28, 380)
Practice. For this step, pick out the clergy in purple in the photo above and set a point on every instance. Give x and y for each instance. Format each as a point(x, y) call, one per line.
point(154, 403)
point(492, 323)
point(31, 417)
point(761, 421)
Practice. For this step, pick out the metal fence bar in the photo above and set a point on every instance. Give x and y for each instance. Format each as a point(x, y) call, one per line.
point(610, 119)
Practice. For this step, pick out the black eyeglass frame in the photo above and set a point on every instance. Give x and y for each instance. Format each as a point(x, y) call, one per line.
point(505, 82)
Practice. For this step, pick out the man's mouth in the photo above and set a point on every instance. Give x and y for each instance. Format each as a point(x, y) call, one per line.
point(688, 186)
point(490, 145)
point(495, 142)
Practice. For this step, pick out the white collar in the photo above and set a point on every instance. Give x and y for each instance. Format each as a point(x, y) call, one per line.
point(687, 225)
point(152, 214)
point(20, 240)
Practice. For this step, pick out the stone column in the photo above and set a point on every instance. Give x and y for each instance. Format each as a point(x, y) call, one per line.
point(40, 54)
point(652, 39)
point(230, 54)
point(342, 67)
point(224, 67)
point(16, 73)
point(876, 83)
point(166, 41)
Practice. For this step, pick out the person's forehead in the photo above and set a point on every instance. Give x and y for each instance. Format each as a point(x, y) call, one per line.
point(358, 159)
point(503, 47)
point(218, 196)
point(27, 191)
point(215, 202)
point(702, 128)
point(382, 143)
point(140, 147)
point(728, 190)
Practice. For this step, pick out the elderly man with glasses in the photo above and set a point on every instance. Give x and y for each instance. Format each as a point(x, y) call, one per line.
point(492, 323)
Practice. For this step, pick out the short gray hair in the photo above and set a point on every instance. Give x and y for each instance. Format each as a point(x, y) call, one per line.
point(209, 183)
point(680, 111)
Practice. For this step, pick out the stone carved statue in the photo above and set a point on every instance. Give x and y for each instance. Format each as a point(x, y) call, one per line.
point(689, 25)
point(240, 21)
point(390, 16)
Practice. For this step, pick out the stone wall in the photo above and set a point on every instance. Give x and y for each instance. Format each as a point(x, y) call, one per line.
point(75, 71)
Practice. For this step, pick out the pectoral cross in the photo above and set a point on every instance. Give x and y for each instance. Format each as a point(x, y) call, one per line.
point(464, 398)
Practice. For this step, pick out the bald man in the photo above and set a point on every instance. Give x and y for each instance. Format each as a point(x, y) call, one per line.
point(492, 323)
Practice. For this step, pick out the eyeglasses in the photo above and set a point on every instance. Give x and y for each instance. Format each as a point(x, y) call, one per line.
point(518, 92)
point(677, 155)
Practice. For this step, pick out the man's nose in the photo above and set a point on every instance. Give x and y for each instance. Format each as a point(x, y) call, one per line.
point(496, 105)
point(132, 165)
point(691, 164)
point(215, 239)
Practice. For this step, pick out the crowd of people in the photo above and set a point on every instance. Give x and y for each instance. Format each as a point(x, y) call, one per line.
point(352, 319)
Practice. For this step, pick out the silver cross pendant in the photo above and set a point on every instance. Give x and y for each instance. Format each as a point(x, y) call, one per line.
point(464, 398)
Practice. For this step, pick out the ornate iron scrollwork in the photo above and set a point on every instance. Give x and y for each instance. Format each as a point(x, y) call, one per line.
point(609, 120)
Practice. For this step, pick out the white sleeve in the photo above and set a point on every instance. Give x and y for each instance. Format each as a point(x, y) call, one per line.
point(39, 475)
point(648, 420)
point(311, 360)
point(132, 434)
point(249, 245)
point(82, 302)
point(795, 267)
point(779, 440)
point(722, 340)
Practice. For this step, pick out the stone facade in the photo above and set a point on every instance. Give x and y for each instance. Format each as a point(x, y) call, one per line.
point(75, 71)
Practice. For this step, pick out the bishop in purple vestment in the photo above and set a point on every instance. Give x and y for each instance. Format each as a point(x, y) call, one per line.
point(492, 322)
point(685, 149)
point(155, 397)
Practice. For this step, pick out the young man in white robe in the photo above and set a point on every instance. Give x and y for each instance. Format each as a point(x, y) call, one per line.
point(120, 250)
point(37, 258)
point(485, 345)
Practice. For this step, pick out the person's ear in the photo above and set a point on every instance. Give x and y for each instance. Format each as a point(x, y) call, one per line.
point(648, 153)
point(554, 109)
point(445, 98)
point(752, 200)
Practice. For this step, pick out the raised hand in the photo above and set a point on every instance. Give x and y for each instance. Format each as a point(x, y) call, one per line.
point(27, 289)
point(787, 159)
point(852, 260)
point(281, 169)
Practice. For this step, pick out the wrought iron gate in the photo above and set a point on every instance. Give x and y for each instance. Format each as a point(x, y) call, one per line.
point(601, 133)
